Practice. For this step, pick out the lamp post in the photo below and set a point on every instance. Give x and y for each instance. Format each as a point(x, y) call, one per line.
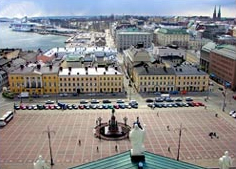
point(125, 120)
point(48, 131)
point(99, 120)
point(180, 134)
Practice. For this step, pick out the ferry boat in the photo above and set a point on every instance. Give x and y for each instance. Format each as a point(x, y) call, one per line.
point(23, 25)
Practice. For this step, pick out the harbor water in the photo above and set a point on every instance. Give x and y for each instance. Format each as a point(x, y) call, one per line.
point(28, 40)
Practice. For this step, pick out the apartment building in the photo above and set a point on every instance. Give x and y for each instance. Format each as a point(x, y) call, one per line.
point(126, 38)
point(165, 36)
point(90, 80)
point(154, 79)
point(189, 78)
point(35, 80)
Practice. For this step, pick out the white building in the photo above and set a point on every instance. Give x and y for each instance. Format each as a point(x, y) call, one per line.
point(132, 37)
point(168, 51)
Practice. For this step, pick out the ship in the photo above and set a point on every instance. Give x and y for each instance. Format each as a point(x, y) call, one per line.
point(23, 25)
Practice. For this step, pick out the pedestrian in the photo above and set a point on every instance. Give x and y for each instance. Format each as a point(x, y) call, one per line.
point(205, 107)
point(211, 135)
point(116, 148)
point(216, 115)
point(168, 128)
point(153, 107)
point(96, 122)
point(168, 148)
point(157, 114)
point(97, 149)
point(79, 142)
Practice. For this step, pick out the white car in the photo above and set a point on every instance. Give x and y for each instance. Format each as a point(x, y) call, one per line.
point(49, 102)
point(232, 112)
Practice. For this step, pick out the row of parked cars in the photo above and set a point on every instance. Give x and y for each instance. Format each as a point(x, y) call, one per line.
point(170, 102)
point(84, 104)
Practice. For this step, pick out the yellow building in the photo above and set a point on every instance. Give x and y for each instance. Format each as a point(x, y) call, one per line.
point(90, 80)
point(189, 78)
point(163, 79)
point(154, 79)
point(35, 80)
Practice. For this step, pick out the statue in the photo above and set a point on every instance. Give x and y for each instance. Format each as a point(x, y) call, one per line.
point(225, 161)
point(137, 138)
point(40, 164)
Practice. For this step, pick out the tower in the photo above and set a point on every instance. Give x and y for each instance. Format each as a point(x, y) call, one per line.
point(214, 14)
point(219, 14)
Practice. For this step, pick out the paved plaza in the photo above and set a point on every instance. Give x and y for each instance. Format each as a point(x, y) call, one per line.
point(23, 139)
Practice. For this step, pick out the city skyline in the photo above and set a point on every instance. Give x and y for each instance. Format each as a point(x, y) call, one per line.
point(35, 8)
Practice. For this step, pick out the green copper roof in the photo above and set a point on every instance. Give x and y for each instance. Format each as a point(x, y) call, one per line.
point(172, 31)
point(123, 161)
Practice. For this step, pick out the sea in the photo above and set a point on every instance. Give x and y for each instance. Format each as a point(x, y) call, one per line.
point(28, 40)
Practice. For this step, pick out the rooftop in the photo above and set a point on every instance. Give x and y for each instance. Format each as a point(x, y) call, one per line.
point(91, 71)
point(226, 50)
point(154, 71)
point(123, 161)
point(172, 31)
point(188, 70)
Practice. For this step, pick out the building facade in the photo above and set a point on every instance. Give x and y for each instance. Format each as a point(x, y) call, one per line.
point(190, 79)
point(3, 79)
point(166, 37)
point(222, 65)
point(35, 80)
point(154, 79)
point(90, 80)
point(131, 37)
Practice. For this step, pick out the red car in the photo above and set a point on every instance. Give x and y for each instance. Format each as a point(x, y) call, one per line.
point(195, 104)
point(201, 104)
point(234, 97)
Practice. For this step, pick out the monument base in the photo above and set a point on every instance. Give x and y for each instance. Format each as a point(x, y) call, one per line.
point(137, 158)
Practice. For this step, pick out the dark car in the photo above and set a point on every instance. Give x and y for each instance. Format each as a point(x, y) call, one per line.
point(106, 101)
point(221, 88)
point(16, 107)
point(234, 97)
point(149, 100)
point(188, 99)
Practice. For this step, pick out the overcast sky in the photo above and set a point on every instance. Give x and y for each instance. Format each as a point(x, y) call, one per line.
point(31, 8)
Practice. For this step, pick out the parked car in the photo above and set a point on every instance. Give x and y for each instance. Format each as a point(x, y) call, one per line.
point(188, 99)
point(234, 97)
point(49, 102)
point(16, 107)
point(149, 100)
point(83, 106)
point(83, 101)
point(221, 88)
point(168, 99)
point(159, 99)
point(106, 101)
point(178, 99)
point(232, 112)
point(94, 101)
point(120, 101)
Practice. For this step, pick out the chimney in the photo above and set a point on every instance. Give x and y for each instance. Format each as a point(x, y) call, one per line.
point(61, 68)
point(116, 68)
point(68, 73)
point(96, 68)
point(70, 68)
point(77, 73)
point(104, 73)
point(106, 68)
point(38, 66)
point(115, 73)
point(50, 67)
point(86, 68)
point(22, 67)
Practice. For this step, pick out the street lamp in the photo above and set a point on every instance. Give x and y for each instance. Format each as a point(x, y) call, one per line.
point(125, 120)
point(180, 134)
point(99, 120)
point(49, 139)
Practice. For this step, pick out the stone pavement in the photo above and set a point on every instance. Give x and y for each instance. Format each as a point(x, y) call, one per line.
point(22, 140)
